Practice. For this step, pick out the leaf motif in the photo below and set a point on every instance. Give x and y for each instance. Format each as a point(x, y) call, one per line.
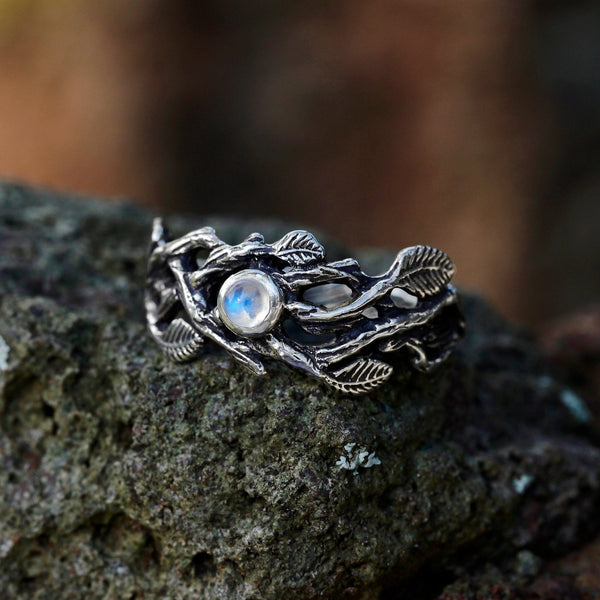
point(299, 248)
point(180, 341)
point(361, 376)
point(424, 271)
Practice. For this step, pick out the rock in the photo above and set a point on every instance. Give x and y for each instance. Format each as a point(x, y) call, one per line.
point(525, 577)
point(127, 476)
point(573, 345)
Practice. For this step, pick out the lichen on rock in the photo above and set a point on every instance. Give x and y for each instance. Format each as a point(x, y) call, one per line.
point(125, 475)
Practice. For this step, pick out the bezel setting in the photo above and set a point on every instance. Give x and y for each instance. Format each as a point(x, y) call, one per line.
point(268, 315)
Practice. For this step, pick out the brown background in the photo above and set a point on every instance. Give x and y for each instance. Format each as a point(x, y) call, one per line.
point(472, 125)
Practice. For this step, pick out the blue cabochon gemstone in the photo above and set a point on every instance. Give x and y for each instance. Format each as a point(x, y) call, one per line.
point(249, 302)
point(246, 302)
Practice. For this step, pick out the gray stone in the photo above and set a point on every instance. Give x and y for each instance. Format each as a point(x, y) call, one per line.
point(126, 476)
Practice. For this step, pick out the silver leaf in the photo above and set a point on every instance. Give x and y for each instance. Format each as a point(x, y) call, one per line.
point(299, 248)
point(179, 341)
point(361, 376)
point(423, 271)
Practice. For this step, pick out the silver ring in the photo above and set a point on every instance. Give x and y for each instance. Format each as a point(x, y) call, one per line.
point(284, 301)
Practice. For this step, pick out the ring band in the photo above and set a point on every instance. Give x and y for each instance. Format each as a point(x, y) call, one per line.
point(284, 301)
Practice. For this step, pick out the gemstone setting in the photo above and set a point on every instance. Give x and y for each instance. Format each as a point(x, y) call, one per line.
point(249, 303)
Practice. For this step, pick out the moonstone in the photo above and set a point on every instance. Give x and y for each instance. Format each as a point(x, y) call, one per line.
point(249, 302)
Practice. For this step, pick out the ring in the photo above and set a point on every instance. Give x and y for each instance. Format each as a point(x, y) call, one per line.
point(284, 301)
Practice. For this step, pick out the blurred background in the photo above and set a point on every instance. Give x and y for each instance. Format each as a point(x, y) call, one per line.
point(471, 125)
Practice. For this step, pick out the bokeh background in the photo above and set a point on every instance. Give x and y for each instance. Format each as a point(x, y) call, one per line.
point(471, 125)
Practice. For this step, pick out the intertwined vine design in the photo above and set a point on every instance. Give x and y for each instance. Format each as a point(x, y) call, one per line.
point(343, 345)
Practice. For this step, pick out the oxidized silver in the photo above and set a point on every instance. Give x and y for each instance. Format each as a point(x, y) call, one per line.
point(284, 301)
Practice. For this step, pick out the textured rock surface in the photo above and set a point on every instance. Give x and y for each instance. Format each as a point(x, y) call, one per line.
point(125, 476)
